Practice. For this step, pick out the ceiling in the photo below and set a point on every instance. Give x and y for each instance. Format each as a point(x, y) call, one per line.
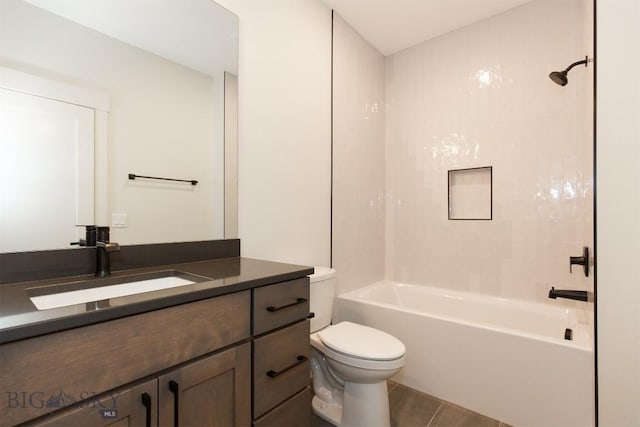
point(196, 33)
point(169, 28)
point(394, 25)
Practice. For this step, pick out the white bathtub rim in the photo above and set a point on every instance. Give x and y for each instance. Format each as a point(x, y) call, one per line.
point(579, 345)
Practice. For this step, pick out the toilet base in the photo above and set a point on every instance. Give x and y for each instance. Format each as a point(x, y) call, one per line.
point(331, 412)
point(367, 406)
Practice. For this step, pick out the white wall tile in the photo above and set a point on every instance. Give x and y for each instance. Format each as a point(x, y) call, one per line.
point(481, 96)
point(358, 159)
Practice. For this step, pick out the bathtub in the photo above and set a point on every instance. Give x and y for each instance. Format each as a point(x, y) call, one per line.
point(505, 359)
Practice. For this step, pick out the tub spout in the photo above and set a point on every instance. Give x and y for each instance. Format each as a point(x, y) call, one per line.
point(569, 294)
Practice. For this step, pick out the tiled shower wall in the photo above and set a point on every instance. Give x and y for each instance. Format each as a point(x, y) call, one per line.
point(478, 96)
point(358, 159)
point(481, 96)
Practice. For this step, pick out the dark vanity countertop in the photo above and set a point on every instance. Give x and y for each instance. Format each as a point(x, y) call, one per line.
point(20, 319)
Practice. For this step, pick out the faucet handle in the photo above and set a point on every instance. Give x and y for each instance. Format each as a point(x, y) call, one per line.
point(581, 260)
point(108, 246)
point(90, 236)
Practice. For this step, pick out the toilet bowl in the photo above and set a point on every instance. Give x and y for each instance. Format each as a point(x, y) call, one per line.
point(350, 363)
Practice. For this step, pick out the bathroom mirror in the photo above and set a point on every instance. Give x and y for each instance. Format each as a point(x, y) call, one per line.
point(164, 73)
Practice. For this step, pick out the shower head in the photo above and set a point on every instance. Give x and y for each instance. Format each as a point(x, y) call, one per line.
point(560, 77)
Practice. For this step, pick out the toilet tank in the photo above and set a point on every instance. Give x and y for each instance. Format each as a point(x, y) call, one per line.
point(322, 292)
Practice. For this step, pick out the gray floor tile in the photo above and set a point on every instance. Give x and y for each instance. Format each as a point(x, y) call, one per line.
point(454, 416)
point(410, 408)
point(316, 421)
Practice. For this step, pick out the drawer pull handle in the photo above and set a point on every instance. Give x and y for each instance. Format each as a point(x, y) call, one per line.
point(300, 359)
point(146, 402)
point(175, 389)
point(282, 307)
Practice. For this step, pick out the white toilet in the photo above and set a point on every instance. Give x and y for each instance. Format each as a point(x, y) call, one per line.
point(350, 363)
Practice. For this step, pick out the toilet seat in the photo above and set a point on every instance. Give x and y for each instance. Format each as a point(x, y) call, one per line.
point(360, 346)
point(362, 342)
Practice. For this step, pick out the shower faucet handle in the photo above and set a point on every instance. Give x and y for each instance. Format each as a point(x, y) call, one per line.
point(581, 260)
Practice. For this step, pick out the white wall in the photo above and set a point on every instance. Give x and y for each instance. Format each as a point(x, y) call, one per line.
point(160, 122)
point(230, 156)
point(481, 96)
point(284, 151)
point(618, 209)
point(358, 159)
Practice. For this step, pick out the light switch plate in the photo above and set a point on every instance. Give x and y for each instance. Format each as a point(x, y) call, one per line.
point(119, 220)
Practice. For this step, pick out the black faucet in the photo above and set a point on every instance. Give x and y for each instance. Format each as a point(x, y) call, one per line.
point(98, 237)
point(569, 294)
point(104, 249)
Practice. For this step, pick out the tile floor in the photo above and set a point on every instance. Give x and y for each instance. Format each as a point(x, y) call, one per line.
point(411, 408)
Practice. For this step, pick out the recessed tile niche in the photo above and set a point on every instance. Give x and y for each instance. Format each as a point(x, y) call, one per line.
point(471, 193)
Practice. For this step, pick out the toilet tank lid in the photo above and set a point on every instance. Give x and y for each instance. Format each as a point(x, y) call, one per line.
point(322, 273)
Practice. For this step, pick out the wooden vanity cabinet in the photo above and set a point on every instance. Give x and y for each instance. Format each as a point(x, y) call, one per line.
point(236, 360)
point(281, 353)
point(200, 345)
point(212, 391)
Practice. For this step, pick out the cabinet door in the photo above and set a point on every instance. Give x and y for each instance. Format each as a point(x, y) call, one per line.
point(214, 391)
point(133, 406)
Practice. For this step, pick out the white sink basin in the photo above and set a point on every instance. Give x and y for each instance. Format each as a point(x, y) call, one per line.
point(123, 287)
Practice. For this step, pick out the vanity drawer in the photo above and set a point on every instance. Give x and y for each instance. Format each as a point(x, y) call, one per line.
point(280, 366)
point(294, 412)
point(280, 304)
